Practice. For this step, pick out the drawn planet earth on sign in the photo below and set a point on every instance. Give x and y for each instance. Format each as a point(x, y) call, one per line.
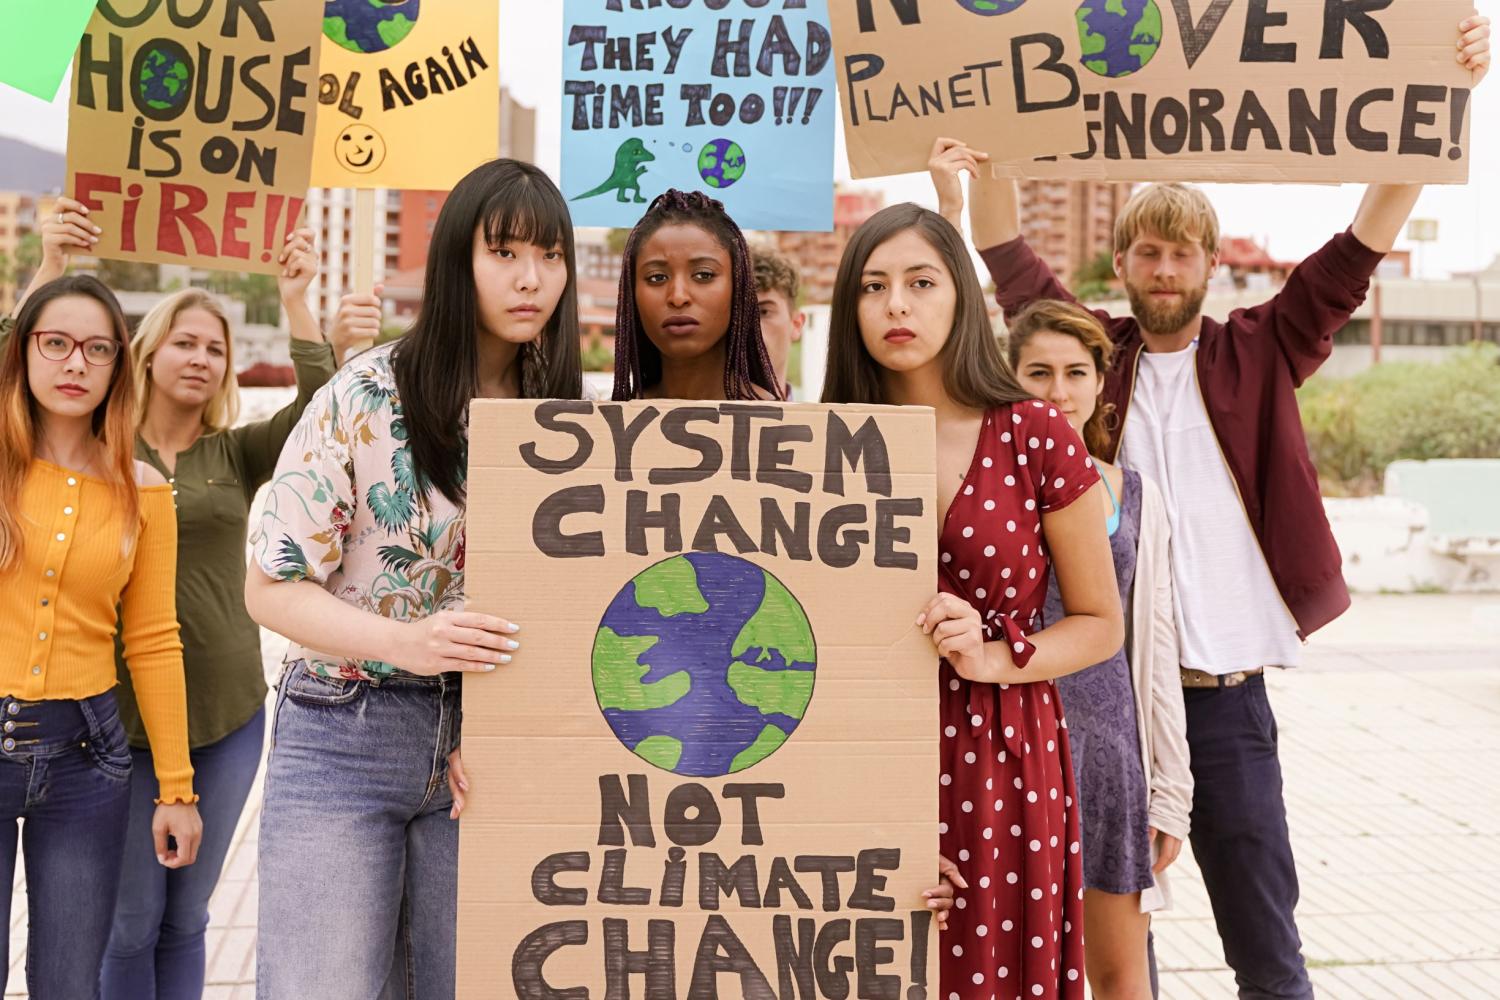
point(369, 25)
point(165, 77)
point(1119, 36)
point(990, 8)
point(721, 162)
point(704, 664)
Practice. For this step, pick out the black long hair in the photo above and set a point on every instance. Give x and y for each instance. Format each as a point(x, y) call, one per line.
point(747, 366)
point(437, 362)
point(975, 371)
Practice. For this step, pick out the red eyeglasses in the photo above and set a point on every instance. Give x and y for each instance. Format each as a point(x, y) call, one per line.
point(58, 346)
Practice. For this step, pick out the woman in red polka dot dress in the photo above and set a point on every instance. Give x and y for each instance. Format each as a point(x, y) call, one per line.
point(910, 327)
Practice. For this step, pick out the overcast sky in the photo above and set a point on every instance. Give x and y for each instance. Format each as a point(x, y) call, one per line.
point(1294, 219)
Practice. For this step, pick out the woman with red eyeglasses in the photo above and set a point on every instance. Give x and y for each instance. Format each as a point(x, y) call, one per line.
point(84, 530)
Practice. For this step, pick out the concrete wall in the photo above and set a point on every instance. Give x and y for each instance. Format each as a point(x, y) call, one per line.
point(1436, 529)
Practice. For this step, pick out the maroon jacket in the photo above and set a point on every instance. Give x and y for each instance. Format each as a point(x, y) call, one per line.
point(1248, 371)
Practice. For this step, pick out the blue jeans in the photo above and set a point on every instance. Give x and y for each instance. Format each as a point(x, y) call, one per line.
point(65, 770)
point(1240, 838)
point(156, 949)
point(358, 856)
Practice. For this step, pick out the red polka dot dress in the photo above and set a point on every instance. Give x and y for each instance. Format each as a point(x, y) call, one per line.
point(1006, 805)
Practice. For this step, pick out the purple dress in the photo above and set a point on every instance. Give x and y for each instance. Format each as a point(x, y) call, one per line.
point(1099, 704)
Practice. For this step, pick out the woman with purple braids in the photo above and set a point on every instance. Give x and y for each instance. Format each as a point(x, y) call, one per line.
point(688, 326)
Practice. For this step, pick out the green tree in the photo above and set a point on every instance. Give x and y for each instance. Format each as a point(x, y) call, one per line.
point(616, 240)
point(28, 254)
point(1096, 278)
point(1402, 410)
point(130, 275)
point(257, 291)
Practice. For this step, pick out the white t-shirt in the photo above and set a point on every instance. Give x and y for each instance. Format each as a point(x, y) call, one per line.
point(1230, 615)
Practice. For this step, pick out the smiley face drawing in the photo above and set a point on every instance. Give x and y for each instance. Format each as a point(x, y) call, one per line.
point(359, 148)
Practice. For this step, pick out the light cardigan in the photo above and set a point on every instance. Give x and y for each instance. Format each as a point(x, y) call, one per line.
point(1151, 643)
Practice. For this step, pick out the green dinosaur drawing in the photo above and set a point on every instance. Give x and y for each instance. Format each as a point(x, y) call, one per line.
point(629, 166)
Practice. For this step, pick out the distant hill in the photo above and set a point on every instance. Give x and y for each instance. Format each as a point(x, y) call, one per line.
point(24, 167)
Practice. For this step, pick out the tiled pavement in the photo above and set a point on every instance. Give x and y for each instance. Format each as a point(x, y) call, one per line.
point(1390, 742)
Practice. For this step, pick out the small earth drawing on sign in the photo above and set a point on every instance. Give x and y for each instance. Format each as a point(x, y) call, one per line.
point(165, 77)
point(369, 25)
point(721, 162)
point(989, 8)
point(1119, 36)
point(704, 664)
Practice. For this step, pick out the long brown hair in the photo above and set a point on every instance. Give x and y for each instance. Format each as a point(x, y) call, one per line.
point(747, 366)
point(975, 372)
point(113, 421)
point(1070, 320)
point(436, 362)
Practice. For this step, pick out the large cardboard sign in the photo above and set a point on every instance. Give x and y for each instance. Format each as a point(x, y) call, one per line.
point(711, 771)
point(409, 95)
point(998, 74)
point(190, 130)
point(1269, 90)
point(735, 99)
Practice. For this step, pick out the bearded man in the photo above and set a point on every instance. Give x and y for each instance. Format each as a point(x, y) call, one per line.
point(1208, 410)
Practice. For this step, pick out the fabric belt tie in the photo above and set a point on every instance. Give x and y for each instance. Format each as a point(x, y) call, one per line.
point(982, 699)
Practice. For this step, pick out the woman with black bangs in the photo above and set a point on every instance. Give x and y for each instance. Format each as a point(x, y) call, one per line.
point(359, 560)
point(688, 319)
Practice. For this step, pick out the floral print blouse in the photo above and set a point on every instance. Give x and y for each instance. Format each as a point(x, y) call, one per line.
point(346, 511)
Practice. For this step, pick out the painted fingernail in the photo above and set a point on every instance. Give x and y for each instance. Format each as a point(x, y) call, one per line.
point(512, 627)
point(488, 667)
point(98, 230)
point(505, 657)
point(512, 644)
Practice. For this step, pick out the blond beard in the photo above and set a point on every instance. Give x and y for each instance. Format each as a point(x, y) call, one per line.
point(1165, 320)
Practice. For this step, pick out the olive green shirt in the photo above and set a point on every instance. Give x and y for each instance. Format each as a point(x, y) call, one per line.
point(213, 484)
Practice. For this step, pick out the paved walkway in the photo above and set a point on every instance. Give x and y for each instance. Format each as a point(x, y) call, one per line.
point(1390, 742)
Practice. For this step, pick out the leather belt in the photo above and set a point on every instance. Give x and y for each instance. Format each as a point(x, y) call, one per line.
point(1204, 679)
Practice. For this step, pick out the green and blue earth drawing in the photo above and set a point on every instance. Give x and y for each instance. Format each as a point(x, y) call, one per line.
point(704, 664)
point(990, 8)
point(164, 80)
point(1119, 36)
point(369, 25)
point(721, 162)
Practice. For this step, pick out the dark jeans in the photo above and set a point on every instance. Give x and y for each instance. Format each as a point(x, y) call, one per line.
point(156, 949)
point(65, 770)
point(1240, 838)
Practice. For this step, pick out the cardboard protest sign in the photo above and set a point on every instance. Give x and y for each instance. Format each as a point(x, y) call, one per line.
point(409, 95)
point(190, 131)
point(998, 74)
point(35, 59)
point(736, 100)
point(1270, 90)
point(712, 770)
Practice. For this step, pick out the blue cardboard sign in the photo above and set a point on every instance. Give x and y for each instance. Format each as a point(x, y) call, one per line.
point(732, 98)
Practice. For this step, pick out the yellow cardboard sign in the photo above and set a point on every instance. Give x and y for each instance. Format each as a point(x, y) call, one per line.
point(409, 95)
